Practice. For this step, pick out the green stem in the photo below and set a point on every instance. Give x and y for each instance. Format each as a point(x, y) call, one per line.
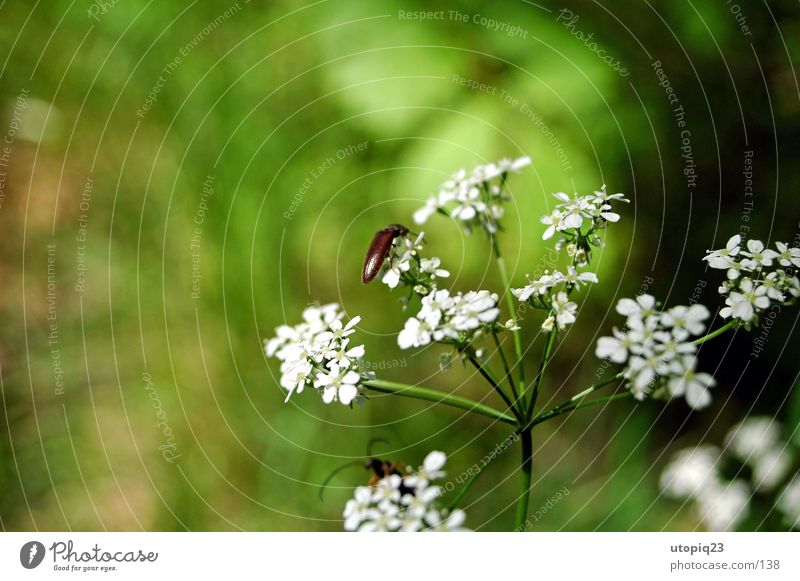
point(546, 354)
point(526, 466)
point(487, 375)
point(426, 394)
point(720, 331)
point(507, 369)
point(574, 405)
point(501, 266)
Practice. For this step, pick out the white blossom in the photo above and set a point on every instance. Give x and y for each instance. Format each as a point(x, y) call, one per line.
point(564, 310)
point(656, 349)
point(756, 277)
point(404, 503)
point(316, 353)
point(474, 198)
point(789, 502)
point(443, 316)
point(571, 213)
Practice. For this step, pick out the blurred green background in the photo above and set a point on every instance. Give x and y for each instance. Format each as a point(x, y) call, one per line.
point(181, 179)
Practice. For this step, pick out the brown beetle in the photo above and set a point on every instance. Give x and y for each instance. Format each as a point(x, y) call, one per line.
point(379, 250)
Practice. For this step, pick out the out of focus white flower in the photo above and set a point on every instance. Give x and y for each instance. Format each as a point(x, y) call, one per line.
point(690, 472)
point(789, 503)
point(697, 474)
point(725, 506)
point(753, 437)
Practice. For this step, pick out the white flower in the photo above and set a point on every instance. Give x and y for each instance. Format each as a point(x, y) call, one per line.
point(694, 386)
point(787, 255)
point(770, 469)
point(403, 503)
point(431, 469)
point(431, 266)
point(603, 197)
point(614, 348)
point(316, 353)
point(789, 502)
point(656, 350)
point(685, 321)
point(415, 334)
point(338, 384)
point(357, 508)
point(474, 198)
point(429, 209)
point(753, 437)
point(724, 506)
point(554, 222)
point(747, 302)
point(690, 472)
point(564, 310)
point(443, 522)
point(640, 308)
point(574, 278)
point(723, 258)
point(540, 286)
point(475, 309)
point(444, 317)
point(759, 255)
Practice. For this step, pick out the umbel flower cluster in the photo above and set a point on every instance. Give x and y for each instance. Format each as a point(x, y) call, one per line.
point(657, 350)
point(406, 503)
point(475, 198)
point(317, 353)
point(758, 277)
point(765, 482)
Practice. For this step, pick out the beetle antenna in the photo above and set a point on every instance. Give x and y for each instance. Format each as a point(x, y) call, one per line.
point(372, 442)
point(334, 473)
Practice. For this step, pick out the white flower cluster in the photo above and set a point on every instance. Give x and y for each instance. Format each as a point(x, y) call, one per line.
point(317, 353)
point(657, 350)
point(697, 474)
point(571, 213)
point(757, 277)
point(445, 317)
point(403, 503)
point(476, 197)
point(405, 265)
point(541, 294)
point(693, 474)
